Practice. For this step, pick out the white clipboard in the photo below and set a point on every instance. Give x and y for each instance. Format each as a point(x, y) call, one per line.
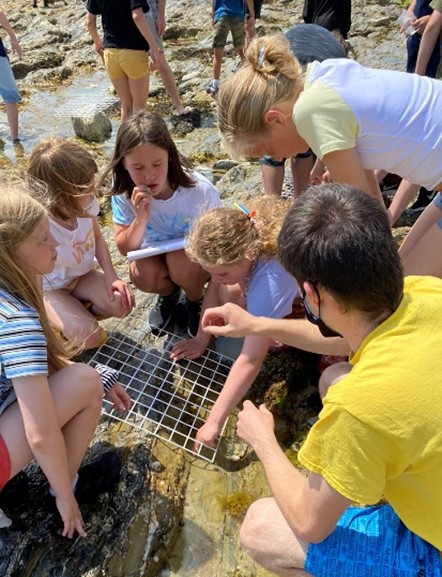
point(159, 247)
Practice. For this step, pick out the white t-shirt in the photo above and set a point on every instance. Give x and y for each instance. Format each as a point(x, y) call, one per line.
point(76, 252)
point(170, 218)
point(393, 119)
point(272, 290)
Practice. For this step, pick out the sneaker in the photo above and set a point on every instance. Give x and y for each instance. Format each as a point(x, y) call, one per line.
point(212, 89)
point(193, 309)
point(160, 315)
point(97, 477)
point(424, 198)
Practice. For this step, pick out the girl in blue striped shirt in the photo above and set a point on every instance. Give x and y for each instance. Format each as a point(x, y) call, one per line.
point(49, 407)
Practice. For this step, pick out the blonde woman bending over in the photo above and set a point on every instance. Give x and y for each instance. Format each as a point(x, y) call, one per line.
point(355, 119)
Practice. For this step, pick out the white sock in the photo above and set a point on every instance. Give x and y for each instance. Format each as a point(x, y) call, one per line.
point(74, 484)
point(215, 83)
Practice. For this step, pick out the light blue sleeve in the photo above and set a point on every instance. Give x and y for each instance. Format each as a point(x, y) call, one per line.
point(122, 210)
point(272, 291)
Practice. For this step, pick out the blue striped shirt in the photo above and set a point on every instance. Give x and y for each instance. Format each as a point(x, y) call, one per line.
point(23, 350)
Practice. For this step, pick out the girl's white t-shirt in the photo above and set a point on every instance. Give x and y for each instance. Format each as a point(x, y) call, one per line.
point(76, 252)
point(171, 218)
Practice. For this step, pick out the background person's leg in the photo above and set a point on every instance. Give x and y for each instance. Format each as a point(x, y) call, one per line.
point(12, 116)
point(301, 167)
point(139, 90)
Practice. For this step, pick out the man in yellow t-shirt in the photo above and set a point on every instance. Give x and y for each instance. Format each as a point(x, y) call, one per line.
point(379, 433)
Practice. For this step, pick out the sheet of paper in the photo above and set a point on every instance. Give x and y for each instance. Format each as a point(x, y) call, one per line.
point(154, 248)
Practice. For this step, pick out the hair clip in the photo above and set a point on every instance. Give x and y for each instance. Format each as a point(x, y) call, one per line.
point(251, 214)
point(261, 58)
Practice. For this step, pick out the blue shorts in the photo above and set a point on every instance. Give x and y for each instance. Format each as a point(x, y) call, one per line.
point(373, 542)
point(269, 161)
point(8, 86)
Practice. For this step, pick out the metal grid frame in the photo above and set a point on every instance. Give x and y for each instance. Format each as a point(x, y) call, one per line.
point(171, 400)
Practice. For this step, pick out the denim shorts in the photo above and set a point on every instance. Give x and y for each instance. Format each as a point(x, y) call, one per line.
point(373, 542)
point(8, 86)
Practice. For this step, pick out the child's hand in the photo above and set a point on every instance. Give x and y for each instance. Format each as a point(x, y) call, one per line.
point(207, 435)
point(16, 48)
point(255, 424)
point(142, 202)
point(421, 23)
point(228, 320)
point(326, 177)
point(190, 349)
point(119, 398)
point(71, 516)
point(125, 292)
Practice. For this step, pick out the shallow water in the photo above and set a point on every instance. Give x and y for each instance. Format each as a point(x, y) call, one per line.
point(49, 112)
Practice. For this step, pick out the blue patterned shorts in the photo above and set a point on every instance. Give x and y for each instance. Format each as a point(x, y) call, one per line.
point(373, 542)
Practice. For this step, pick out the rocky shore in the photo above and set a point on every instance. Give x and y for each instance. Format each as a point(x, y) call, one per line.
point(171, 515)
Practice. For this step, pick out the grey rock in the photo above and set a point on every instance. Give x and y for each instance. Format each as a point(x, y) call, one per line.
point(225, 164)
point(95, 127)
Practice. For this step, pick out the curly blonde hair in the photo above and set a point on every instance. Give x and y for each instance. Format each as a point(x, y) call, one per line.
point(271, 75)
point(224, 236)
point(20, 214)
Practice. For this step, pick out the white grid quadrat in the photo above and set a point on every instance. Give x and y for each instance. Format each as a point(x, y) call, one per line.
point(171, 400)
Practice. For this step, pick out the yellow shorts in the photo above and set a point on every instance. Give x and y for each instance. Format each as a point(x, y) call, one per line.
point(124, 62)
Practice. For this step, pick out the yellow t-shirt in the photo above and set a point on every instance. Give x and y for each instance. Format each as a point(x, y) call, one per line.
point(380, 431)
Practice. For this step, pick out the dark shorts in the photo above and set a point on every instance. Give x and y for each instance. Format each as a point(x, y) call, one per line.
point(257, 4)
point(373, 542)
point(225, 25)
point(269, 161)
point(5, 463)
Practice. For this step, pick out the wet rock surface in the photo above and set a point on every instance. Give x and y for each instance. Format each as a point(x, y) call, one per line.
point(171, 514)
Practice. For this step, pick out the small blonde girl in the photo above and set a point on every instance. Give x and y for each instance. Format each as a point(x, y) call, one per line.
point(237, 247)
point(63, 175)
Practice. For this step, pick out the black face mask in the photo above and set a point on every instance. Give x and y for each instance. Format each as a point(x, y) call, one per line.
point(324, 329)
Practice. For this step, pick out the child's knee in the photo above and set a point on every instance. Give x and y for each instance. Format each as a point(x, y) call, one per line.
point(84, 332)
point(148, 280)
point(89, 383)
point(112, 308)
point(332, 375)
